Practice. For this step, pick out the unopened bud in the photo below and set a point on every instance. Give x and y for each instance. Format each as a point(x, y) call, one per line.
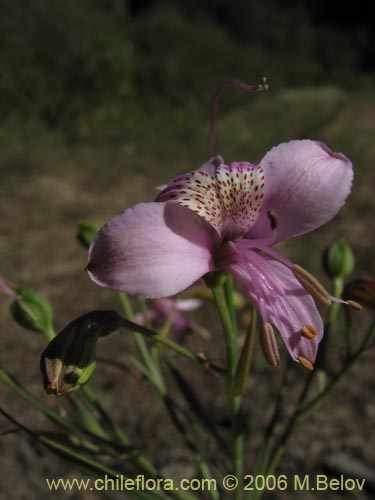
point(338, 260)
point(69, 359)
point(32, 311)
point(86, 232)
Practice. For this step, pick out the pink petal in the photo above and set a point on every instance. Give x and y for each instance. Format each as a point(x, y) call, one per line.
point(197, 191)
point(188, 304)
point(5, 288)
point(277, 295)
point(306, 185)
point(229, 198)
point(152, 249)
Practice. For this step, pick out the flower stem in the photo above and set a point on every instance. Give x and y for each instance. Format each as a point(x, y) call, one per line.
point(154, 374)
point(229, 333)
point(223, 295)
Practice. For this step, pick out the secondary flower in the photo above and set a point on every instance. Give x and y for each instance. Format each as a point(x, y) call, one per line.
point(227, 217)
point(171, 310)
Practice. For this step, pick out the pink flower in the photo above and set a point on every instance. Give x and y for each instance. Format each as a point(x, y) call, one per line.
point(160, 309)
point(228, 217)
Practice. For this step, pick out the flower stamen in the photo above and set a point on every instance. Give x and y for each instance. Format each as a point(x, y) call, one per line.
point(312, 285)
point(269, 345)
point(354, 305)
point(309, 332)
point(306, 363)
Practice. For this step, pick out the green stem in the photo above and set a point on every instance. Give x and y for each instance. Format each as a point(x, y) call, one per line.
point(87, 463)
point(302, 411)
point(229, 333)
point(223, 296)
point(338, 287)
point(154, 374)
point(229, 291)
point(201, 464)
point(244, 363)
point(139, 461)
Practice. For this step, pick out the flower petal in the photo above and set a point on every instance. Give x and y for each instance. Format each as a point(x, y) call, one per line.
point(277, 295)
point(152, 249)
point(229, 198)
point(197, 191)
point(306, 184)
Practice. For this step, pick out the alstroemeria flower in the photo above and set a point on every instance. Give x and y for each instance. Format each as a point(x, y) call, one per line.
point(228, 217)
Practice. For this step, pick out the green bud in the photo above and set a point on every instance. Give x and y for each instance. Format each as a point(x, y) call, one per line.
point(86, 233)
point(68, 362)
point(32, 311)
point(338, 260)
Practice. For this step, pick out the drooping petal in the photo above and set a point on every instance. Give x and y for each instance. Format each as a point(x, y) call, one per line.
point(277, 295)
point(152, 249)
point(306, 184)
point(227, 197)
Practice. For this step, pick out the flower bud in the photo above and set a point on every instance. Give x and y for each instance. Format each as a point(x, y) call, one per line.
point(32, 311)
point(338, 260)
point(86, 232)
point(69, 359)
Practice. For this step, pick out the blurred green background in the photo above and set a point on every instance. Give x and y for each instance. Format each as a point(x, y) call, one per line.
point(108, 68)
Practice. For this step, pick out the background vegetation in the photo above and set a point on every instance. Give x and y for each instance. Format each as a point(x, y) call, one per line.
point(110, 67)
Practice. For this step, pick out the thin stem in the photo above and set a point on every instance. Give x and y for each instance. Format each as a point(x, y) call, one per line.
point(154, 374)
point(223, 296)
point(136, 458)
point(229, 333)
point(87, 463)
point(302, 411)
point(201, 464)
point(244, 363)
point(231, 82)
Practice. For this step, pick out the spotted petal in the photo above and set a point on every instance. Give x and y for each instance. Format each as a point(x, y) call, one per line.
point(229, 198)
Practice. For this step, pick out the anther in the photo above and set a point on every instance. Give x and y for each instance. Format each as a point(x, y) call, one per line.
point(309, 332)
point(306, 363)
point(312, 285)
point(354, 305)
point(269, 345)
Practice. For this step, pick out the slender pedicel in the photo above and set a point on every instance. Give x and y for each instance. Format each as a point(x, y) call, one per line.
point(309, 332)
point(269, 345)
point(306, 363)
